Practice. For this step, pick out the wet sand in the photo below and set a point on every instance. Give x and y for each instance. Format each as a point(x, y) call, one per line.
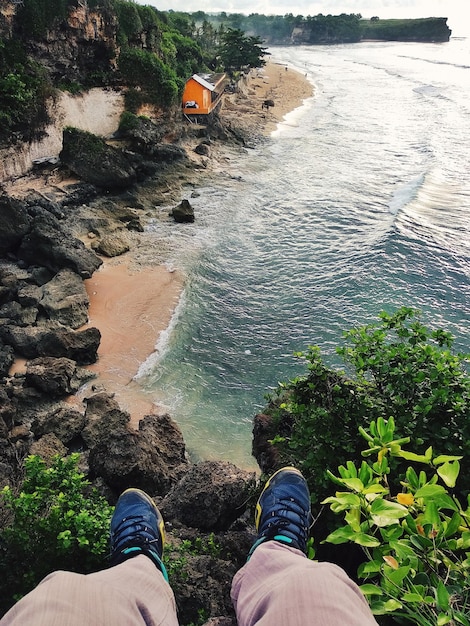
point(131, 309)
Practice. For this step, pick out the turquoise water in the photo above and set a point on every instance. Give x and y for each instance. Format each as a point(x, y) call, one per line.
point(359, 202)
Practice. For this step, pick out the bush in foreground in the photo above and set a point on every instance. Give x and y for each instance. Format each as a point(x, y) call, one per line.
point(56, 522)
point(397, 367)
point(416, 539)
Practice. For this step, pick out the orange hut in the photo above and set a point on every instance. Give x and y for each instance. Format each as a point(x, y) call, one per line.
point(202, 93)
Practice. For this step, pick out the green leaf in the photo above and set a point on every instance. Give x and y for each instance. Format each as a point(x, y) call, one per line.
point(353, 518)
point(375, 488)
point(392, 605)
point(430, 491)
point(397, 576)
point(453, 525)
point(370, 567)
point(344, 498)
point(355, 484)
point(411, 456)
point(443, 619)
point(449, 472)
point(412, 597)
point(341, 535)
point(371, 590)
point(431, 514)
point(445, 458)
point(362, 539)
point(384, 513)
point(461, 618)
point(444, 501)
point(442, 597)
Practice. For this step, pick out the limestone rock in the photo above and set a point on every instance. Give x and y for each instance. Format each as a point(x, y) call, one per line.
point(112, 244)
point(202, 149)
point(55, 377)
point(7, 358)
point(14, 224)
point(210, 496)
point(65, 299)
point(65, 423)
point(80, 346)
point(95, 162)
point(47, 243)
point(125, 458)
point(13, 312)
point(264, 452)
point(207, 589)
point(183, 213)
point(48, 447)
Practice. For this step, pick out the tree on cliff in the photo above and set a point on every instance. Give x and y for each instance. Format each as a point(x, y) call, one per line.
point(238, 51)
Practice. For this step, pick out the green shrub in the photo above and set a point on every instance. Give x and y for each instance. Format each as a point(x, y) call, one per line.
point(38, 16)
point(130, 24)
point(157, 82)
point(24, 89)
point(128, 121)
point(416, 539)
point(397, 367)
point(57, 522)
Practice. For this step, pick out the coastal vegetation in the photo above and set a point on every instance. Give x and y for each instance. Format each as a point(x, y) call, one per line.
point(323, 29)
point(401, 383)
point(154, 52)
point(396, 367)
point(56, 521)
point(412, 526)
point(148, 52)
point(24, 89)
point(426, 29)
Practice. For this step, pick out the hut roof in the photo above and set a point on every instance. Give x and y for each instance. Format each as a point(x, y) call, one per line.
point(209, 81)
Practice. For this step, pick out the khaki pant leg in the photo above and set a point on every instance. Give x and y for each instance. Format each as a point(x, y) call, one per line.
point(279, 586)
point(133, 593)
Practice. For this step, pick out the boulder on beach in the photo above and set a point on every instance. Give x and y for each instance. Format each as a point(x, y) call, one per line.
point(183, 213)
point(90, 157)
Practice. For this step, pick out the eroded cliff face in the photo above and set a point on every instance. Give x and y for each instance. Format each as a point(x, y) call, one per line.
point(7, 17)
point(97, 111)
point(76, 48)
point(84, 44)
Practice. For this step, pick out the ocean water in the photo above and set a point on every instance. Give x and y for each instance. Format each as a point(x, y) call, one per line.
point(359, 202)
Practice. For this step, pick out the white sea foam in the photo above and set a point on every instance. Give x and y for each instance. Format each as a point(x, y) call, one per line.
point(291, 119)
point(405, 193)
point(163, 341)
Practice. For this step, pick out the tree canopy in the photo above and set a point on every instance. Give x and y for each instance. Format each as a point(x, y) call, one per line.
point(238, 51)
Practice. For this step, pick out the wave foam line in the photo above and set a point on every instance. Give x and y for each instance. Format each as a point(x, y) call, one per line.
point(163, 342)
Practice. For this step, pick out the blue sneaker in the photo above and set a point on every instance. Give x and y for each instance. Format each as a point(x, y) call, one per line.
point(283, 510)
point(137, 527)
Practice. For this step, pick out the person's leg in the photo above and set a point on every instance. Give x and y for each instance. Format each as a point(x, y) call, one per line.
point(279, 586)
point(133, 592)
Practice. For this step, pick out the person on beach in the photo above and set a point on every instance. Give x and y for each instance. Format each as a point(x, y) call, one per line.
point(278, 585)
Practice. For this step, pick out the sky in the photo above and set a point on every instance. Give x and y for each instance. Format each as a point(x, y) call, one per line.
point(458, 11)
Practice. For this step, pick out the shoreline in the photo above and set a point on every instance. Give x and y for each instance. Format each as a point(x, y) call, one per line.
point(133, 297)
point(132, 307)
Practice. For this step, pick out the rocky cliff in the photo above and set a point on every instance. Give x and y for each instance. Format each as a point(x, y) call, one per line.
point(82, 44)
